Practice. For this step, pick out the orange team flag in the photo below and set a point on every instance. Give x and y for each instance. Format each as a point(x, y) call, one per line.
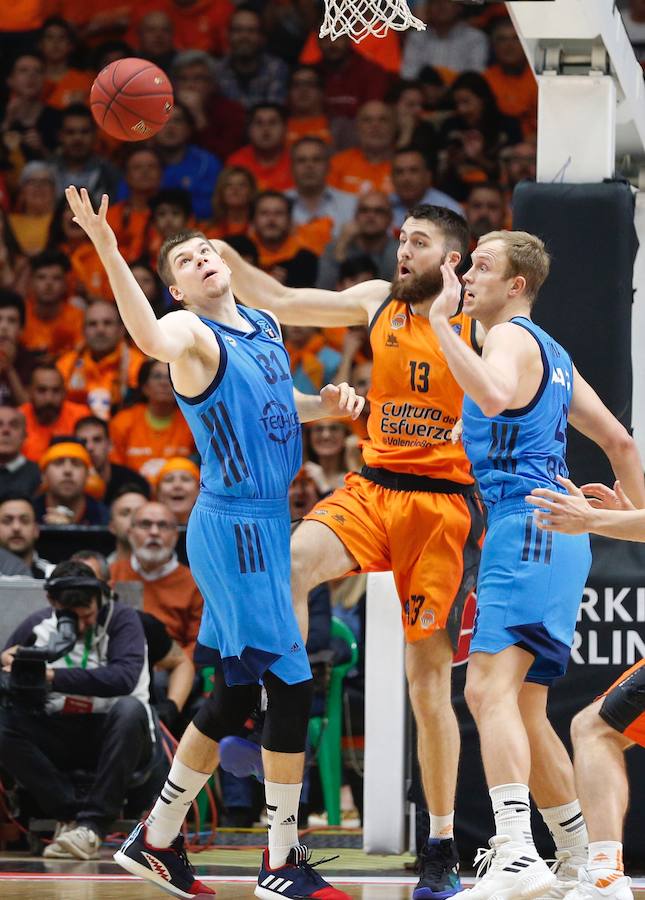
point(385, 51)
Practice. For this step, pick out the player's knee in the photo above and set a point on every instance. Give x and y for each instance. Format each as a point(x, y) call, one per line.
point(304, 577)
point(226, 710)
point(587, 724)
point(474, 694)
point(287, 715)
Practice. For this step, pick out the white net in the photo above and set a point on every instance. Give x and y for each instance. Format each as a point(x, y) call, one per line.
point(359, 18)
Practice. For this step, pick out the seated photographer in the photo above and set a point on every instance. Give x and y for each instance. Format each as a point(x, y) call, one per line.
point(90, 654)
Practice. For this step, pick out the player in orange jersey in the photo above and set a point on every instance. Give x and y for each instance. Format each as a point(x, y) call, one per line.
point(413, 507)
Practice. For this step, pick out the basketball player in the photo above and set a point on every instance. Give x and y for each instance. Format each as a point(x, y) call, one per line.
point(603, 731)
point(230, 373)
point(413, 508)
point(519, 396)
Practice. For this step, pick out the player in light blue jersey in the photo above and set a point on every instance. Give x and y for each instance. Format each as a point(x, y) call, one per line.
point(519, 396)
point(230, 373)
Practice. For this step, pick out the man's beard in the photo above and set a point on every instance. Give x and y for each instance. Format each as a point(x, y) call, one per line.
point(418, 288)
point(157, 556)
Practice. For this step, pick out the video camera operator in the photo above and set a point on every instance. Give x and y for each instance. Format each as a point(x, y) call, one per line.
point(96, 707)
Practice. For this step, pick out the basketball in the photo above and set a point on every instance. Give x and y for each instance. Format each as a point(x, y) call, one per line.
point(131, 99)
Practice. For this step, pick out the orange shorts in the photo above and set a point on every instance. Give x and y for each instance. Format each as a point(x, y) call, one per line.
point(431, 542)
point(623, 705)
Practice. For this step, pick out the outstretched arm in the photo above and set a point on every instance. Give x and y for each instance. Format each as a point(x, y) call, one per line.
point(302, 306)
point(335, 401)
point(166, 339)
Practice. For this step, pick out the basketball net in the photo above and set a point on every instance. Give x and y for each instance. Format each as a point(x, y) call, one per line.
point(360, 18)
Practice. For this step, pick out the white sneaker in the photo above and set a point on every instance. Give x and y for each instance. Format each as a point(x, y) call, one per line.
point(81, 842)
point(565, 869)
point(508, 871)
point(616, 887)
point(54, 850)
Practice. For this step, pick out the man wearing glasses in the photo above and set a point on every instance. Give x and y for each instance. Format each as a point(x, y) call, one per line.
point(169, 591)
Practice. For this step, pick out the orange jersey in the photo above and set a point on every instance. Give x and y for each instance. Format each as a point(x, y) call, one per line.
point(276, 177)
point(351, 171)
point(414, 398)
point(73, 87)
point(143, 445)
point(39, 436)
point(53, 336)
point(100, 383)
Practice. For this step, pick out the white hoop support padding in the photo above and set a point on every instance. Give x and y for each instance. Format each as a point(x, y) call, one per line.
point(360, 18)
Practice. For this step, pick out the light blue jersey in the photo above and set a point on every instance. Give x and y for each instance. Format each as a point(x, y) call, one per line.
point(530, 582)
point(247, 431)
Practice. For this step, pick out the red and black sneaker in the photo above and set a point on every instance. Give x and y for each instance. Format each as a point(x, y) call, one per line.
point(296, 879)
point(167, 867)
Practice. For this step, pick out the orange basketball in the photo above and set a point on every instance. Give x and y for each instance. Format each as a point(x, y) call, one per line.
point(131, 99)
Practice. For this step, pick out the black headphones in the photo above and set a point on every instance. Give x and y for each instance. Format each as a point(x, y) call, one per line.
point(55, 586)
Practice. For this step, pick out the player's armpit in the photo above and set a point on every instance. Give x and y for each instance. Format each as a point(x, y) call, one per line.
point(505, 354)
point(178, 333)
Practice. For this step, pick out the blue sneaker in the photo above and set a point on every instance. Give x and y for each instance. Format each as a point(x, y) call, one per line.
point(439, 871)
point(295, 880)
point(168, 868)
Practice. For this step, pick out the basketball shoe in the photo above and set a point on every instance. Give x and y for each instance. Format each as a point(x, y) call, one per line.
point(509, 870)
point(439, 870)
point(610, 887)
point(54, 849)
point(295, 880)
point(167, 867)
point(80, 842)
point(567, 864)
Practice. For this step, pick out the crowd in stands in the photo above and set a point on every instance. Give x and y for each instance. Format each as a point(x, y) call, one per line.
point(302, 152)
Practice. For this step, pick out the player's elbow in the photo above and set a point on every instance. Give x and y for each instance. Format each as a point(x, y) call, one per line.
point(494, 403)
point(618, 443)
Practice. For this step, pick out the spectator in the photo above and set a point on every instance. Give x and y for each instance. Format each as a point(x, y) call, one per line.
point(220, 123)
point(155, 33)
point(287, 25)
point(233, 201)
point(367, 235)
point(152, 287)
point(313, 363)
point(28, 123)
point(412, 129)
point(169, 592)
point(447, 43)
point(19, 532)
point(511, 78)
point(326, 454)
point(266, 155)
point(307, 117)
point(65, 467)
point(63, 84)
point(76, 161)
point(16, 363)
point(186, 165)
point(634, 20)
point(93, 433)
point(369, 165)
point(171, 211)
point(97, 713)
point(52, 324)
point(17, 473)
point(485, 209)
point(14, 266)
point(145, 435)
point(130, 217)
point(12, 566)
point(349, 80)
point(247, 74)
point(282, 251)
point(314, 201)
point(474, 137)
point(34, 207)
point(412, 178)
point(64, 234)
point(177, 487)
point(126, 502)
point(199, 24)
point(518, 163)
point(48, 414)
point(105, 367)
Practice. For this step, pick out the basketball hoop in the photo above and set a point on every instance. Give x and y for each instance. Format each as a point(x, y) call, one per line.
point(360, 18)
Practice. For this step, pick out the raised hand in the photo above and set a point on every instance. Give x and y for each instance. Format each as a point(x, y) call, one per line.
point(447, 303)
point(340, 400)
point(95, 225)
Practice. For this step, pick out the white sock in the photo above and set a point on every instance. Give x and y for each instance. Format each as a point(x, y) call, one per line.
point(442, 827)
point(165, 819)
point(566, 825)
point(605, 857)
point(282, 811)
point(512, 812)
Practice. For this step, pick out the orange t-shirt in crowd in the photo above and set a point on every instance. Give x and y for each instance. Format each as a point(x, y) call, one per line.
point(39, 436)
point(143, 444)
point(316, 235)
point(53, 336)
point(414, 399)
point(218, 230)
point(276, 177)
point(516, 95)
point(100, 383)
point(384, 51)
point(351, 171)
point(24, 15)
point(202, 26)
point(73, 87)
point(80, 12)
point(129, 226)
point(308, 126)
point(90, 275)
point(174, 599)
